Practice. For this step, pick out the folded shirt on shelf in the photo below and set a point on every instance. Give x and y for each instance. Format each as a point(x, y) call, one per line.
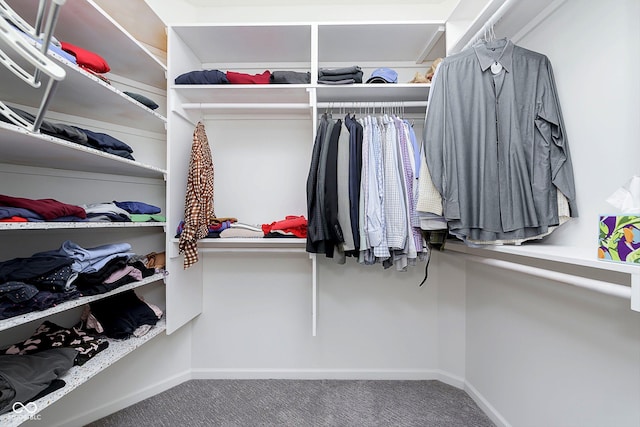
point(137, 207)
point(149, 103)
point(202, 77)
point(106, 211)
point(88, 260)
point(107, 143)
point(48, 209)
point(25, 377)
point(86, 137)
point(290, 77)
point(343, 75)
point(240, 232)
point(49, 278)
point(85, 58)
point(244, 78)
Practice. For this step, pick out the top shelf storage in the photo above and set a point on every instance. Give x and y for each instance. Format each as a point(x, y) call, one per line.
point(407, 46)
point(384, 44)
point(84, 24)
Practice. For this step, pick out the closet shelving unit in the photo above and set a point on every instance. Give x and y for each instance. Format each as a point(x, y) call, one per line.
point(407, 47)
point(577, 266)
point(78, 375)
point(35, 165)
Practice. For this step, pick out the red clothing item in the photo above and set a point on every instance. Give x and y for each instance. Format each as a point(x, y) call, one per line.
point(242, 78)
point(86, 59)
point(297, 225)
point(14, 219)
point(47, 208)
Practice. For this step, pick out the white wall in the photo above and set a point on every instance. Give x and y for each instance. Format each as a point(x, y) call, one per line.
point(257, 320)
point(593, 47)
point(539, 352)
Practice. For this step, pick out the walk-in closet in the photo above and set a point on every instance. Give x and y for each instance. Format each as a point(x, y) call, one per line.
point(537, 331)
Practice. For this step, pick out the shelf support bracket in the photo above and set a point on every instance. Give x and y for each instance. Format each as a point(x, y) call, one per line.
point(635, 291)
point(314, 294)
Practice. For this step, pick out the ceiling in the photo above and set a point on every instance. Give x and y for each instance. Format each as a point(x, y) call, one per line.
point(244, 3)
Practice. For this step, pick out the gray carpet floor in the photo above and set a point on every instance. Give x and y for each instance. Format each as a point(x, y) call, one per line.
point(301, 403)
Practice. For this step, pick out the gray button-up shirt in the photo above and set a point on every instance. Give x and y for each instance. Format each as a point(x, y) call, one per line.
point(495, 143)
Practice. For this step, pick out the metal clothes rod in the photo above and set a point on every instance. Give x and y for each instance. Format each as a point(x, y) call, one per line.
point(497, 15)
point(406, 104)
point(255, 250)
point(620, 291)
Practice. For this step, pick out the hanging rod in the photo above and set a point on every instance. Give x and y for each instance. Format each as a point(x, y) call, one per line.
point(253, 250)
point(359, 104)
point(490, 22)
point(608, 288)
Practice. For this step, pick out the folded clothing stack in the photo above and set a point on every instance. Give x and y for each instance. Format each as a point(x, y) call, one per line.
point(340, 76)
point(234, 77)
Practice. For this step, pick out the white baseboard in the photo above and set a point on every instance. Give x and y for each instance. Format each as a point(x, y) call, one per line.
point(128, 400)
point(329, 374)
point(486, 407)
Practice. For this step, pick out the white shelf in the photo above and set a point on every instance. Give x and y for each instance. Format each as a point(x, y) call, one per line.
point(577, 256)
point(407, 92)
point(78, 375)
point(21, 147)
point(67, 305)
point(245, 244)
point(86, 26)
point(248, 43)
point(243, 94)
point(75, 225)
point(384, 43)
point(84, 95)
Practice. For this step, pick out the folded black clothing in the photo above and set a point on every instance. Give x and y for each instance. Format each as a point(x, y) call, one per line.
point(120, 153)
point(337, 82)
point(42, 300)
point(103, 140)
point(59, 130)
point(202, 77)
point(121, 314)
point(142, 100)
point(24, 269)
point(354, 69)
point(16, 291)
point(87, 280)
point(357, 77)
point(290, 77)
point(25, 376)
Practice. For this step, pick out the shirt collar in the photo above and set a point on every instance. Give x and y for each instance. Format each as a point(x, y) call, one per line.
point(487, 56)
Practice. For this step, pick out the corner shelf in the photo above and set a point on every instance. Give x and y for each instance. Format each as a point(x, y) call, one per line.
point(22, 147)
point(528, 254)
point(48, 225)
point(78, 375)
point(100, 34)
point(12, 322)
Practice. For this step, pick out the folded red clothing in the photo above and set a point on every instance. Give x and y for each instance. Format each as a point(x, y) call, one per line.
point(243, 78)
point(296, 225)
point(14, 219)
point(47, 208)
point(86, 59)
